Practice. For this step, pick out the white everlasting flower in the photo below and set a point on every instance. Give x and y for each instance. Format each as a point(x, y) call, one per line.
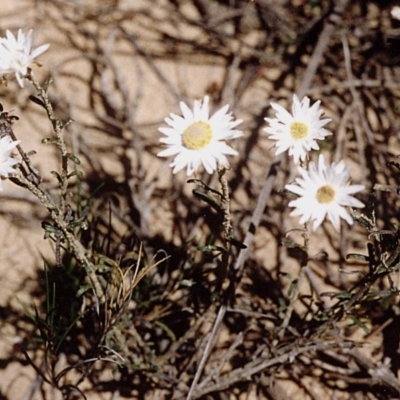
point(299, 131)
point(324, 191)
point(16, 54)
point(6, 162)
point(395, 12)
point(198, 139)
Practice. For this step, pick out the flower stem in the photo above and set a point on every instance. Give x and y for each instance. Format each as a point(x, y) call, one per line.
point(225, 205)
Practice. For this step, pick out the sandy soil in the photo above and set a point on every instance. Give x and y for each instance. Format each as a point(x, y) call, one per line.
point(152, 89)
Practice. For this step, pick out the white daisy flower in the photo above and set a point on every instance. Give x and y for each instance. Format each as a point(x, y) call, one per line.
point(324, 191)
point(16, 54)
point(6, 162)
point(198, 139)
point(297, 132)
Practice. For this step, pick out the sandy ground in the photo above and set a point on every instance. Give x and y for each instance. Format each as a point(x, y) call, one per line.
point(153, 88)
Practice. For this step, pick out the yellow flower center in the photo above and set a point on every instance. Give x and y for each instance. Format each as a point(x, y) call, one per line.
point(298, 130)
point(325, 194)
point(197, 135)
